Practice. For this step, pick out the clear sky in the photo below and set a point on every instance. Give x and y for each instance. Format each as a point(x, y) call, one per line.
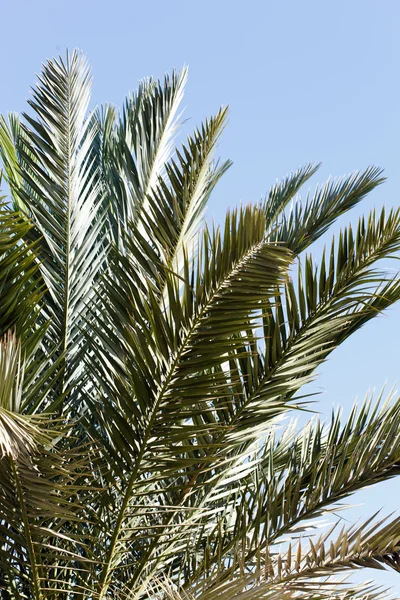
point(305, 80)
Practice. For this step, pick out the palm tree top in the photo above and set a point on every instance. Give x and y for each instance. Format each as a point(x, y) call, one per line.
point(148, 361)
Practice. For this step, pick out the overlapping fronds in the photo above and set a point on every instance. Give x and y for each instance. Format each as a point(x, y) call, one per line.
point(18, 433)
point(42, 485)
point(277, 492)
point(370, 544)
point(176, 204)
point(148, 362)
point(43, 488)
point(309, 590)
point(149, 125)
point(196, 331)
point(313, 315)
point(324, 465)
point(159, 236)
point(21, 304)
point(20, 291)
point(160, 389)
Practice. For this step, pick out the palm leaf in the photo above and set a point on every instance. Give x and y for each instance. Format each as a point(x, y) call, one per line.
point(176, 205)
point(160, 236)
point(307, 221)
point(285, 191)
point(9, 134)
point(137, 147)
point(65, 206)
point(291, 482)
point(322, 465)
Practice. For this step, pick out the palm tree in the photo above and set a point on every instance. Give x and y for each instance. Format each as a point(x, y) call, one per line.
point(148, 362)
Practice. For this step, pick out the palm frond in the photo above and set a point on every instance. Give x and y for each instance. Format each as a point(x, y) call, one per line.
point(325, 589)
point(286, 190)
point(170, 353)
point(18, 433)
point(63, 195)
point(139, 145)
point(226, 422)
point(324, 465)
point(307, 221)
point(311, 318)
point(21, 304)
point(156, 242)
point(9, 134)
point(306, 570)
point(176, 204)
point(195, 335)
point(150, 122)
point(292, 482)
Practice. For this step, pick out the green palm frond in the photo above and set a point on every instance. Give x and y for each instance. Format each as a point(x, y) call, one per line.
point(176, 204)
point(160, 236)
point(286, 190)
point(294, 480)
point(213, 292)
point(324, 465)
point(9, 134)
point(63, 196)
point(18, 433)
point(332, 590)
point(137, 147)
point(21, 304)
point(149, 124)
point(307, 221)
point(209, 415)
point(41, 491)
point(354, 273)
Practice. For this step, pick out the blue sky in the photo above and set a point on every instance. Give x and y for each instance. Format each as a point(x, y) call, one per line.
point(305, 81)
